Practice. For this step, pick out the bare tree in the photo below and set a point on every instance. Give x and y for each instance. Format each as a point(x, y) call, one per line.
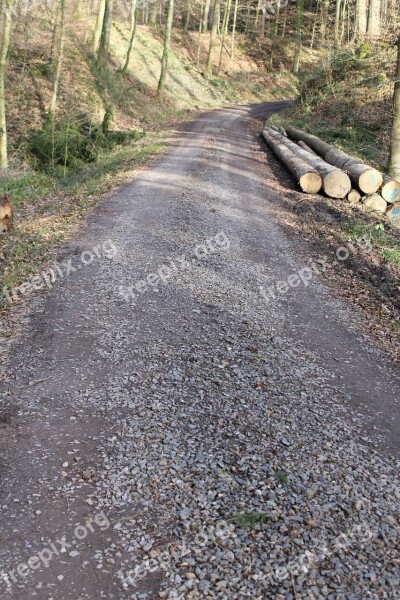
point(153, 13)
point(104, 45)
point(224, 32)
point(167, 45)
point(213, 38)
point(374, 18)
point(235, 12)
point(99, 25)
point(299, 22)
point(59, 61)
point(324, 20)
point(132, 34)
point(394, 159)
point(5, 31)
point(206, 15)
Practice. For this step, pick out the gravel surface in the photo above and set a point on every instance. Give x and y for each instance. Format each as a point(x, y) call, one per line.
point(197, 441)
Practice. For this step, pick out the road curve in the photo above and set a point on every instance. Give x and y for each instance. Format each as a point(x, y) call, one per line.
point(169, 430)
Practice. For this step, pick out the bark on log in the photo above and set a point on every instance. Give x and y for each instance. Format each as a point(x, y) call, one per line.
point(393, 214)
point(354, 196)
point(335, 182)
point(375, 202)
point(306, 148)
point(278, 129)
point(307, 178)
point(367, 179)
point(390, 190)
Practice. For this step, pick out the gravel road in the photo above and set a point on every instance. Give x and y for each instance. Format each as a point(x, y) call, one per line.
point(169, 430)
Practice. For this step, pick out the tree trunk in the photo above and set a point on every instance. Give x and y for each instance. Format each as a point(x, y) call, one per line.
point(224, 31)
point(99, 25)
point(285, 20)
point(235, 11)
point(374, 18)
point(153, 14)
point(6, 7)
point(199, 36)
point(167, 45)
point(307, 178)
point(213, 39)
point(206, 16)
point(104, 46)
point(186, 21)
point(60, 54)
point(394, 160)
point(275, 34)
point(299, 21)
point(132, 36)
point(361, 18)
point(338, 13)
point(324, 21)
point(335, 182)
point(54, 33)
point(363, 177)
point(314, 25)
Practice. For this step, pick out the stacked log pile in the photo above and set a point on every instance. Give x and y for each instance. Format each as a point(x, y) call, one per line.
point(341, 175)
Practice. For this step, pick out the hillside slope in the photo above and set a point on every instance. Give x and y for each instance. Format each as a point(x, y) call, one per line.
point(49, 202)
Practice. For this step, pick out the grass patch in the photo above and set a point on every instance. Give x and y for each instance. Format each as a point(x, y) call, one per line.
point(248, 520)
point(282, 478)
point(383, 241)
point(48, 209)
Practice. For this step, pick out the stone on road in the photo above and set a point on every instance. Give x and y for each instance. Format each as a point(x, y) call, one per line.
point(169, 432)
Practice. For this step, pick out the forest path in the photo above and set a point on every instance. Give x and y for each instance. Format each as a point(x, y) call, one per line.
point(190, 441)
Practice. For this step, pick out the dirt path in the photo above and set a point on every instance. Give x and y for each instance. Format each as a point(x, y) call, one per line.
point(199, 440)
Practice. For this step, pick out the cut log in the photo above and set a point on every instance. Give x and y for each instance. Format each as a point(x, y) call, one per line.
point(335, 182)
point(375, 202)
point(367, 179)
point(354, 196)
point(308, 179)
point(278, 129)
point(390, 190)
point(393, 214)
point(307, 148)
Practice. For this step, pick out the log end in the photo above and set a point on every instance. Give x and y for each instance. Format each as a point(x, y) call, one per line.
point(393, 214)
point(391, 191)
point(337, 184)
point(354, 197)
point(310, 183)
point(375, 202)
point(370, 181)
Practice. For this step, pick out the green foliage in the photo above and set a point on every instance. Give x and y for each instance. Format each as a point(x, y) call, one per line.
point(29, 186)
point(382, 241)
point(71, 143)
point(282, 478)
point(248, 520)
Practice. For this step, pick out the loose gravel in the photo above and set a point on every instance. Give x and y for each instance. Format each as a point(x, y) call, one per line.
point(223, 448)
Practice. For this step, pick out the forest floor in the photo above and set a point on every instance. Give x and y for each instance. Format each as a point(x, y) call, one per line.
point(191, 411)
